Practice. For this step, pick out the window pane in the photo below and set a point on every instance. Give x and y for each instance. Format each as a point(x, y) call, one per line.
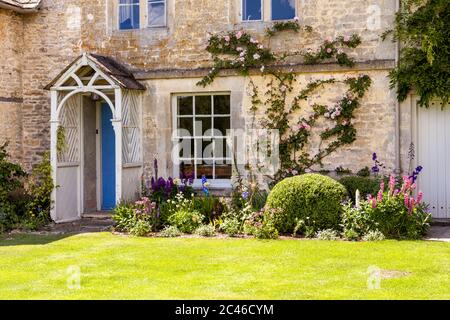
point(203, 105)
point(185, 127)
point(223, 170)
point(283, 9)
point(156, 13)
point(185, 106)
point(251, 10)
point(186, 148)
point(129, 14)
point(204, 148)
point(221, 125)
point(221, 149)
point(221, 104)
point(204, 168)
point(203, 126)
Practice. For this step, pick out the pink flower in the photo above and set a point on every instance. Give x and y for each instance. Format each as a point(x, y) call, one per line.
point(419, 197)
point(380, 195)
point(346, 38)
point(239, 34)
point(340, 51)
point(329, 50)
point(296, 19)
point(252, 40)
point(406, 200)
point(411, 205)
point(227, 38)
point(239, 49)
point(382, 186)
point(391, 184)
point(260, 47)
point(283, 88)
point(373, 201)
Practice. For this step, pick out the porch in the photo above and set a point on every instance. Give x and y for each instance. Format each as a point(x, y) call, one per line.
point(96, 144)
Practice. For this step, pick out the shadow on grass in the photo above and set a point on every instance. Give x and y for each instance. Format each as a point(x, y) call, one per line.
point(23, 239)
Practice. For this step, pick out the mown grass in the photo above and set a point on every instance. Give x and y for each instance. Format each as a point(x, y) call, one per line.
point(119, 267)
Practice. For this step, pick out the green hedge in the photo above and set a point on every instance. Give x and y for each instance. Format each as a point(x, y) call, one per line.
point(313, 198)
point(365, 185)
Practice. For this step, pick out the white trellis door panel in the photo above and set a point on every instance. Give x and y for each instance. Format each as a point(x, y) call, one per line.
point(67, 204)
point(433, 136)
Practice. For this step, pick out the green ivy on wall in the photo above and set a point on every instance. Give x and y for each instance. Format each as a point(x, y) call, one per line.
point(423, 29)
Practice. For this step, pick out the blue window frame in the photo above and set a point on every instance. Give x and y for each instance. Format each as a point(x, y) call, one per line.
point(156, 13)
point(251, 10)
point(129, 12)
point(283, 9)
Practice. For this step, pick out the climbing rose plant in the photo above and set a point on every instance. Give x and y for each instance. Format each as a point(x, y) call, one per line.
point(240, 51)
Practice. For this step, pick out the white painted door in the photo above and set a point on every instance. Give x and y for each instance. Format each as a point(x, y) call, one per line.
point(68, 173)
point(433, 153)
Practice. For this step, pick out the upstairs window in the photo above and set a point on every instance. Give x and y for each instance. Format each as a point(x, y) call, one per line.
point(156, 13)
point(283, 9)
point(251, 10)
point(129, 14)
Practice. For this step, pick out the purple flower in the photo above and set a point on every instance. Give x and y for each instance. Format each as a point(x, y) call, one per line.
point(374, 156)
point(245, 195)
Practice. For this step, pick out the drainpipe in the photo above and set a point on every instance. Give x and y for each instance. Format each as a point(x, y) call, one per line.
point(397, 168)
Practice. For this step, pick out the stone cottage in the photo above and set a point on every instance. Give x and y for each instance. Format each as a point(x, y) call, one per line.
point(116, 80)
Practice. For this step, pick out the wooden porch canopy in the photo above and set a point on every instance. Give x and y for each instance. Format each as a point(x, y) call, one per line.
point(100, 79)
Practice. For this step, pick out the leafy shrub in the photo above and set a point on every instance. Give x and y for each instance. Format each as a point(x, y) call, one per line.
point(312, 197)
point(395, 212)
point(138, 218)
point(327, 234)
point(186, 220)
point(355, 222)
point(261, 224)
point(373, 235)
point(205, 231)
point(209, 206)
point(365, 185)
point(231, 226)
point(183, 215)
point(139, 228)
point(170, 232)
point(39, 188)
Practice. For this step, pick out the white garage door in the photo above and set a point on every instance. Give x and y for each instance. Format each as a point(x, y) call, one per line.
point(433, 153)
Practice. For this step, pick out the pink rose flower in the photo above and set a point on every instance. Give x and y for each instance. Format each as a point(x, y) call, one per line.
point(239, 34)
point(227, 38)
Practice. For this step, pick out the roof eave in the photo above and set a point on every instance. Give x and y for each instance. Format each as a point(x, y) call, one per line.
point(21, 9)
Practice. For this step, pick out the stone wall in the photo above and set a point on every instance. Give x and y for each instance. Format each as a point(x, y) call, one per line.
point(11, 50)
point(63, 29)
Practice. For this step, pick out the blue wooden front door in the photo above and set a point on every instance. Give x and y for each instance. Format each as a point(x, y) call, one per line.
point(108, 157)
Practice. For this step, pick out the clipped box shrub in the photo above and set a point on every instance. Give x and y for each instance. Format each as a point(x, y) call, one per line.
point(313, 198)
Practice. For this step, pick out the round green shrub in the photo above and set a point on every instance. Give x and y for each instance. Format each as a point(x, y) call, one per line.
point(313, 198)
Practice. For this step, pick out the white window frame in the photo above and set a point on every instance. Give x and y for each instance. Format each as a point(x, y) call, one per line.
point(148, 16)
point(266, 12)
point(242, 12)
point(119, 5)
point(214, 183)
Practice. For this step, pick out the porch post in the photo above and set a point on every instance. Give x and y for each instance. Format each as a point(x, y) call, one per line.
point(117, 124)
point(54, 123)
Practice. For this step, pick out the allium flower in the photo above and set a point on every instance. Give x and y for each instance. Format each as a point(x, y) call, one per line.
point(256, 56)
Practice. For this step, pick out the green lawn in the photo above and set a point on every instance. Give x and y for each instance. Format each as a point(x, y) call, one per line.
point(118, 267)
